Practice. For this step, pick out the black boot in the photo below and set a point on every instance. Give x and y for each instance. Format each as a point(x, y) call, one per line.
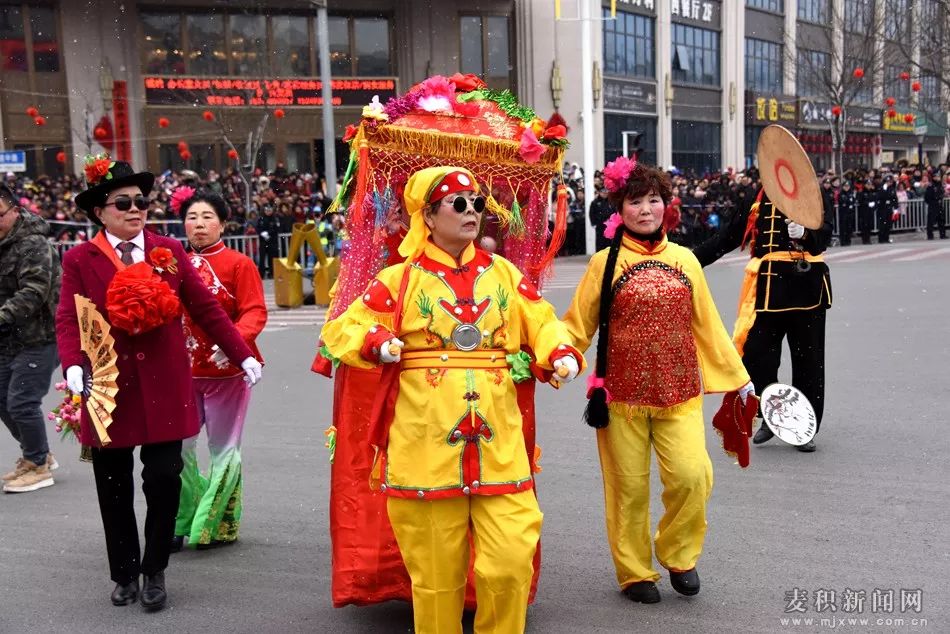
point(763, 435)
point(153, 592)
point(125, 593)
point(808, 447)
point(178, 542)
point(642, 592)
point(685, 582)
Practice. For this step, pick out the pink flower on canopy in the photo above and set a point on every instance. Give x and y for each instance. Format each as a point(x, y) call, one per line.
point(180, 195)
point(438, 94)
point(613, 223)
point(531, 151)
point(617, 172)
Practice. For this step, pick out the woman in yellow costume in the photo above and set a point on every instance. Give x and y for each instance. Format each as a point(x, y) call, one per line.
point(450, 323)
point(661, 346)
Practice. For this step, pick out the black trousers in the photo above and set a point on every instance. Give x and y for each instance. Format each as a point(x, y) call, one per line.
point(884, 226)
point(762, 353)
point(935, 219)
point(161, 483)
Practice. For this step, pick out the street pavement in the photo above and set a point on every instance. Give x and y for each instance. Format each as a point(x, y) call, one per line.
point(868, 512)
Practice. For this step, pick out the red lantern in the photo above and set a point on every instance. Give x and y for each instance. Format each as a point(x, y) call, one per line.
point(60, 157)
point(905, 76)
point(39, 120)
point(182, 146)
point(908, 118)
point(858, 73)
point(889, 102)
point(233, 155)
point(891, 113)
point(836, 111)
point(915, 86)
point(208, 115)
point(279, 113)
point(163, 122)
point(32, 112)
point(185, 155)
point(100, 133)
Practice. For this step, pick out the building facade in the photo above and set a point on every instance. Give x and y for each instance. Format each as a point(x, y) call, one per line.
point(694, 80)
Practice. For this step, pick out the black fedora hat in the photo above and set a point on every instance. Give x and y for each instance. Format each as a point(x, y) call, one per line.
point(104, 175)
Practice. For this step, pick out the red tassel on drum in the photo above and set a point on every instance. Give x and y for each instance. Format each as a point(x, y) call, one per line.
point(559, 233)
point(362, 181)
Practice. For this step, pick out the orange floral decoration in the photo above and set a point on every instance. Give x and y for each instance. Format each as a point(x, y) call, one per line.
point(138, 300)
point(97, 169)
point(163, 259)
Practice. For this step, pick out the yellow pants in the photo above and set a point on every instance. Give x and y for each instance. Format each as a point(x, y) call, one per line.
point(433, 539)
point(677, 434)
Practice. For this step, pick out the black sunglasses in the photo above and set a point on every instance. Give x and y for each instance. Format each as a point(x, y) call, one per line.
point(124, 203)
point(460, 204)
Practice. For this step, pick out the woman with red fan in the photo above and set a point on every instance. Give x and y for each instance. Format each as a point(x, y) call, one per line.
point(661, 345)
point(209, 512)
point(139, 281)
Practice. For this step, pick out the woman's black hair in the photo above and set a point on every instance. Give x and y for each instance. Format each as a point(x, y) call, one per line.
point(205, 196)
point(596, 414)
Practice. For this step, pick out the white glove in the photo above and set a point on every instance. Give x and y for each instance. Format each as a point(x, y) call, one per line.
point(568, 362)
point(74, 379)
point(795, 230)
point(385, 356)
point(219, 358)
point(252, 369)
point(265, 235)
point(745, 390)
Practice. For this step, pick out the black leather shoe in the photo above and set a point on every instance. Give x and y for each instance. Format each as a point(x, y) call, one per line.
point(642, 592)
point(808, 447)
point(153, 592)
point(125, 594)
point(763, 435)
point(685, 582)
point(178, 542)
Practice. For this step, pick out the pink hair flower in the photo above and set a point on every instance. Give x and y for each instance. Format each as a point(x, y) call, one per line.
point(531, 150)
point(179, 196)
point(613, 223)
point(617, 172)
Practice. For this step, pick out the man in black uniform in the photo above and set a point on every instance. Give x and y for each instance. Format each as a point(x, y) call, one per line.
point(847, 206)
point(600, 211)
point(933, 196)
point(886, 209)
point(792, 291)
point(869, 200)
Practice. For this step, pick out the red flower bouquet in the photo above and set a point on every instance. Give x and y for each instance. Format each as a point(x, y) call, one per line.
point(138, 300)
point(97, 168)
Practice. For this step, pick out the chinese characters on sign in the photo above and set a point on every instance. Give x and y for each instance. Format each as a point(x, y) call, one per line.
point(646, 4)
point(851, 601)
point(765, 109)
point(692, 10)
point(236, 92)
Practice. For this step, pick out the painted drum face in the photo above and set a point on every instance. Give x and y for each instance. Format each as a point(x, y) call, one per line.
point(788, 413)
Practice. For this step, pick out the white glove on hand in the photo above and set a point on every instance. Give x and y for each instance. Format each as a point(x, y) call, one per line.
point(252, 369)
point(75, 380)
point(265, 235)
point(219, 358)
point(386, 356)
point(745, 390)
point(570, 364)
point(795, 230)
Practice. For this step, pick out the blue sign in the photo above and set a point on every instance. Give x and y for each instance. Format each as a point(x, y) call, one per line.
point(13, 161)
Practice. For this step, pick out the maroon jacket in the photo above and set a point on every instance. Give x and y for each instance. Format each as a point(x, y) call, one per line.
point(156, 399)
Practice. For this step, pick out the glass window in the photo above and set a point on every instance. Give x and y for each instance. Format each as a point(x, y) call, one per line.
point(497, 36)
point(930, 93)
point(168, 158)
point(896, 14)
point(752, 134)
point(162, 52)
point(776, 6)
point(814, 72)
point(341, 61)
point(45, 43)
point(471, 37)
point(291, 45)
point(813, 11)
point(896, 87)
point(206, 40)
point(267, 157)
point(863, 89)
point(12, 39)
point(249, 45)
point(371, 40)
point(763, 65)
point(858, 15)
point(628, 44)
point(697, 146)
point(298, 158)
point(695, 55)
point(615, 125)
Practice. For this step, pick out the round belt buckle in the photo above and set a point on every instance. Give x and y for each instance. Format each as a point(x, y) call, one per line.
point(466, 337)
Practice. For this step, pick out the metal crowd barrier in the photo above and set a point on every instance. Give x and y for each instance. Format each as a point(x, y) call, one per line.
point(913, 218)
